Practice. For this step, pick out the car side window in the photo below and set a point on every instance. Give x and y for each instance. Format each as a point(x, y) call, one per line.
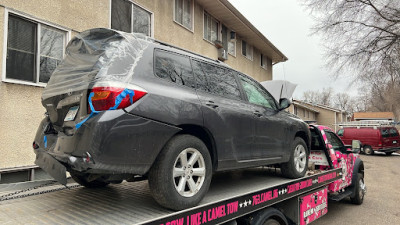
point(174, 67)
point(216, 80)
point(335, 141)
point(255, 94)
point(340, 132)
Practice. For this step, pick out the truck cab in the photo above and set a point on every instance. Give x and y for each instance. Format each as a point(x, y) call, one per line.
point(329, 152)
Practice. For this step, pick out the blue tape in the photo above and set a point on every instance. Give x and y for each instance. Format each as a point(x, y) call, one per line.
point(122, 96)
point(45, 141)
point(118, 100)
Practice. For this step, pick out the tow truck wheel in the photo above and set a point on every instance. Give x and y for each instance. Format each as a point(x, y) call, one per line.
point(181, 174)
point(368, 150)
point(297, 165)
point(269, 216)
point(359, 190)
point(84, 180)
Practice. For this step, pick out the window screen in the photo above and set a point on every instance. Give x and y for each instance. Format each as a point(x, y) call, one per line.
point(174, 67)
point(21, 49)
point(121, 12)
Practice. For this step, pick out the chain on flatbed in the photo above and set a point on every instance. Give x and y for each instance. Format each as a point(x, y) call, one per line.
point(16, 194)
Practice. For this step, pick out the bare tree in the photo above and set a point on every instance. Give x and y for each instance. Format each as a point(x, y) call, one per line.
point(323, 97)
point(360, 35)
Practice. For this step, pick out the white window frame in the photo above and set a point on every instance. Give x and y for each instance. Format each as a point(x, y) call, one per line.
point(247, 56)
point(263, 64)
point(218, 27)
point(192, 15)
point(140, 6)
point(39, 23)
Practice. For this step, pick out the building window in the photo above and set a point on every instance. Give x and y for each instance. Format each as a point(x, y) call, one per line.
point(228, 41)
point(129, 17)
point(184, 13)
point(295, 110)
point(33, 50)
point(247, 50)
point(210, 28)
point(264, 61)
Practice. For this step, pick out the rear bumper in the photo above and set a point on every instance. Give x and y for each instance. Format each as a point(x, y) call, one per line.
point(108, 143)
point(387, 149)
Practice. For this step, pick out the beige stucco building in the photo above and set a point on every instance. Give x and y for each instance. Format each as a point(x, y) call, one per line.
point(34, 33)
point(319, 114)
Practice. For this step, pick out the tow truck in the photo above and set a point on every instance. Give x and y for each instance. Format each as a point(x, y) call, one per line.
point(252, 196)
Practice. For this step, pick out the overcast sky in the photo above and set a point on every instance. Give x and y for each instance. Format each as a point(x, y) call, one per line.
point(287, 25)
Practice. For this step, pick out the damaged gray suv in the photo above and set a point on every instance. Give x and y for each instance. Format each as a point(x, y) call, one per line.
point(123, 107)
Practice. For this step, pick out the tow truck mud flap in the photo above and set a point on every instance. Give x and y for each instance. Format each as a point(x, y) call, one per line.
point(53, 167)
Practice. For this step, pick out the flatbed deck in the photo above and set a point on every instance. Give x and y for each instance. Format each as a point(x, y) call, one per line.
point(231, 195)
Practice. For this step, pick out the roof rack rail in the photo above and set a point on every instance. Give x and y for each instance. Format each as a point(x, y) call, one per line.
point(366, 123)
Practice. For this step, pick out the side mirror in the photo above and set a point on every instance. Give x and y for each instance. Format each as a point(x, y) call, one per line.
point(355, 146)
point(283, 103)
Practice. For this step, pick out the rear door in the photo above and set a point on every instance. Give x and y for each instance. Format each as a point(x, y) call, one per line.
point(271, 126)
point(392, 141)
point(226, 115)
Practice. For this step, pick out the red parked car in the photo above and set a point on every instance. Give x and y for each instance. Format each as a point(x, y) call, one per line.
point(374, 139)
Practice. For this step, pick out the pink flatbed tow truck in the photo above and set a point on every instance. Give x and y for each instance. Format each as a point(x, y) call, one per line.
point(252, 196)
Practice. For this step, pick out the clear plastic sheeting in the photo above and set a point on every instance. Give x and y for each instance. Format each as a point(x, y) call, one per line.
point(97, 56)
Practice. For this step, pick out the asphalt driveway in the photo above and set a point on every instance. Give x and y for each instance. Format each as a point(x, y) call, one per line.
point(382, 202)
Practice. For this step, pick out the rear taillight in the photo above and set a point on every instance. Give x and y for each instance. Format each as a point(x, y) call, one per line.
point(106, 98)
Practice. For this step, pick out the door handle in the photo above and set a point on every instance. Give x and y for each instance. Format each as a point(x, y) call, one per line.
point(211, 104)
point(257, 113)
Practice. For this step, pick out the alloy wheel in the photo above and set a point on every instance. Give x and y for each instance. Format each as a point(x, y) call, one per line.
point(189, 172)
point(300, 158)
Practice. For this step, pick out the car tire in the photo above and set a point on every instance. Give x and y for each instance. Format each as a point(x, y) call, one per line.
point(268, 216)
point(84, 180)
point(297, 165)
point(359, 189)
point(388, 153)
point(181, 174)
point(368, 150)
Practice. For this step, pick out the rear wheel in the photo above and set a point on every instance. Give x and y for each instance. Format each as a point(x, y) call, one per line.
point(359, 190)
point(269, 216)
point(368, 150)
point(88, 180)
point(181, 174)
point(297, 165)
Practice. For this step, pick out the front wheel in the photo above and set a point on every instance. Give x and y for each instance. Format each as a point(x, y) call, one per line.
point(359, 189)
point(297, 165)
point(181, 174)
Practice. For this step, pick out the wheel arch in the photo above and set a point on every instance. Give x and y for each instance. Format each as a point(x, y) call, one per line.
point(303, 135)
point(358, 168)
point(205, 136)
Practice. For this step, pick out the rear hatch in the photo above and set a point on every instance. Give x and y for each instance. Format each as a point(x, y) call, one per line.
point(98, 59)
point(390, 137)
